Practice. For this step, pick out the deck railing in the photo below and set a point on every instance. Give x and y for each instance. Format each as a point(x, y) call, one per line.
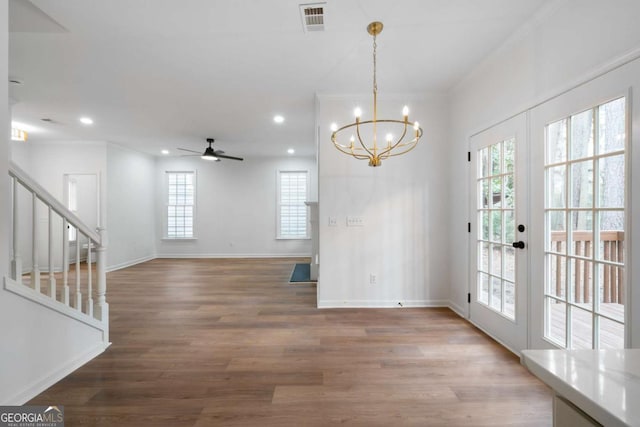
point(612, 274)
point(32, 208)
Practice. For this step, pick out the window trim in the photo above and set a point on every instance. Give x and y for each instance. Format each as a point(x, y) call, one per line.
point(165, 216)
point(279, 235)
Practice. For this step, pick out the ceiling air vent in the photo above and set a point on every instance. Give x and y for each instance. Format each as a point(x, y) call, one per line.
point(312, 17)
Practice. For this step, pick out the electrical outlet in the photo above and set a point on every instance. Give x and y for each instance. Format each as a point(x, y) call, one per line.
point(355, 221)
point(333, 221)
point(372, 279)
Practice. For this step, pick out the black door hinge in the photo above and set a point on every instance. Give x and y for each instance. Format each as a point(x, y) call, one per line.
point(469, 227)
point(469, 298)
point(468, 156)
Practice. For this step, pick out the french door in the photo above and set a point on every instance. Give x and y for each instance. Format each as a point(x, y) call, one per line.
point(579, 220)
point(498, 260)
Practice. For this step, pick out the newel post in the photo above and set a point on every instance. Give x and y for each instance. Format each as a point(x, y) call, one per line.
point(101, 309)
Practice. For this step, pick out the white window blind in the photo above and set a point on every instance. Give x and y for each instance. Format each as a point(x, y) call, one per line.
point(180, 205)
point(293, 214)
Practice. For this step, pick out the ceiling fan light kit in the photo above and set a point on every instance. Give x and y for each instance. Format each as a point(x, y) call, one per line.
point(374, 151)
point(210, 154)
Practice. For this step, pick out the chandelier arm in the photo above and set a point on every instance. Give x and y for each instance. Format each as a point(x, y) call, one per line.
point(360, 139)
point(405, 151)
point(399, 153)
point(346, 150)
point(404, 132)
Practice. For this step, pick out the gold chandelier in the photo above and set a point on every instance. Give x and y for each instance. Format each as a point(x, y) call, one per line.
point(373, 151)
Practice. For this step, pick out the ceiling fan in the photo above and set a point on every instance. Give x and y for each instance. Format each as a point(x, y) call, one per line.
point(210, 153)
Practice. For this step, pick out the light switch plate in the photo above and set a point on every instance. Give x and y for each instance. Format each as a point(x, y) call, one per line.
point(355, 221)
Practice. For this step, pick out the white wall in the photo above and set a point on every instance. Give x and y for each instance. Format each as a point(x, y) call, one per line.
point(131, 207)
point(403, 204)
point(565, 44)
point(236, 207)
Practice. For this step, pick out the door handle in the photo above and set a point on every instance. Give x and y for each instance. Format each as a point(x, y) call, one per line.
point(519, 245)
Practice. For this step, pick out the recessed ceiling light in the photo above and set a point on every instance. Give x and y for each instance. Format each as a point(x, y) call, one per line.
point(86, 120)
point(165, 152)
point(291, 151)
point(278, 119)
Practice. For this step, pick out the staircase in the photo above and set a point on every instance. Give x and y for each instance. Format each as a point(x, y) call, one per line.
point(46, 267)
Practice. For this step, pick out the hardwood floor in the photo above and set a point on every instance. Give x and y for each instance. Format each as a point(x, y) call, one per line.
point(214, 342)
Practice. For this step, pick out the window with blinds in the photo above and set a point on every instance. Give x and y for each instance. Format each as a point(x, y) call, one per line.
point(180, 205)
point(293, 216)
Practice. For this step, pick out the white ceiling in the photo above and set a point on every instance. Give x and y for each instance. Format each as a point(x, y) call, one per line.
point(169, 73)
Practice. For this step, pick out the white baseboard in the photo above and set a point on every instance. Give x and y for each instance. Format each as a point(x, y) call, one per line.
point(130, 263)
point(233, 256)
point(41, 385)
point(382, 303)
point(460, 311)
point(496, 339)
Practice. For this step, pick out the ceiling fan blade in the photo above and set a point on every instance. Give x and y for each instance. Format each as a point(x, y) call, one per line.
point(191, 151)
point(222, 156)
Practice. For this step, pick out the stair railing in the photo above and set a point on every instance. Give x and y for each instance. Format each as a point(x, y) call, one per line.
point(62, 255)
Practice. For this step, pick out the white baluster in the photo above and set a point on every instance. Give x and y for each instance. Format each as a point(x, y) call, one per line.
point(35, 269)
point(90, 245)
point(78, 293)
point(16, 263)
point(52, 277)
point(65, 261)
point(102, 307)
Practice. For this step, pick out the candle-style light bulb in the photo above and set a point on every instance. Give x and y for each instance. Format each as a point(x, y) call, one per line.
point(334, 127)
point(357, 112)
point(405, 111)
point(416, 126)
point(389, 137)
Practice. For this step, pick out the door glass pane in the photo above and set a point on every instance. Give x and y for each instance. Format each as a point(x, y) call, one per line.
point(484, 221)
point(611, 126)
point(496, 294)
point(483, 159)
point(581, 141)
point(496, 260)
point(509, 227)
point(496, 192)
point(496, 159)
point(581, 328)
point(557, 276)
point(611, 247)
point(483, 291)
point(558, 232)
point(611, 182)
point(509, 192)
point(484, 199)
point(557, 142)
point(582, 184)
point(611, 333)
point(509, 155)
point(582, 226)
point(483, 262)
point(509, 298)
point(611, 301)
point(509, 262)
point(556, 321)
point(496, 224)
point(556, 187)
